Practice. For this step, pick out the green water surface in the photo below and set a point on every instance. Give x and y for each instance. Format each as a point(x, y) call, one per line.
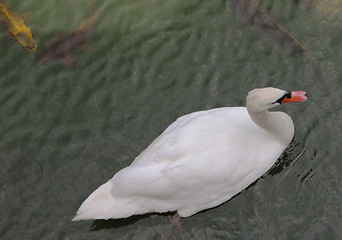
point(65, 130)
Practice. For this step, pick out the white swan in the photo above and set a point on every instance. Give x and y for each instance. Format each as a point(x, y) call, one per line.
point(200, 161)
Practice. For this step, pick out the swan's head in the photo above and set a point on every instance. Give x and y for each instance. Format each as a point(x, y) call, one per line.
point(261, 99)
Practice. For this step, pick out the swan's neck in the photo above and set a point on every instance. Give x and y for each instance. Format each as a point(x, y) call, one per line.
point(278, 124)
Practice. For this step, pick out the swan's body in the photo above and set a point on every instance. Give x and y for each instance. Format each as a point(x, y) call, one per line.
point(200, 161)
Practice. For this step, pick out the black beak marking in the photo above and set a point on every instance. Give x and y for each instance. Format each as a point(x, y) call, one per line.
point(286, 95)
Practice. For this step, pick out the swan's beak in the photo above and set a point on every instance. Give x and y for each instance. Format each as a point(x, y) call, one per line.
point(296, 96)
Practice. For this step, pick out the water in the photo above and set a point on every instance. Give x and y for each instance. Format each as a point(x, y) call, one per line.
point(66, 130)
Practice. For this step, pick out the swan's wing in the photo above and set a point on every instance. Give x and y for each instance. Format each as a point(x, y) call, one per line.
point(196, 132)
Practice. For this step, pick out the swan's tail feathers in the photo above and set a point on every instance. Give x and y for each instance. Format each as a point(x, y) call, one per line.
point(102, 205)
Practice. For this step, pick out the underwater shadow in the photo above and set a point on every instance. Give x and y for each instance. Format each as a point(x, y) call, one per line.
point(122, 222)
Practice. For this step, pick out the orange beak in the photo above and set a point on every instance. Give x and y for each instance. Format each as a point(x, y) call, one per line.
point(296, 96)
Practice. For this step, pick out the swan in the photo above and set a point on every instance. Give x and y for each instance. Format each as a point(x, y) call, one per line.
point(200, 161)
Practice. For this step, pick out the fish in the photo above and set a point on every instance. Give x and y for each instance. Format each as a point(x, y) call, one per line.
point(61, 49)
point(258, 16)
point(16, 26)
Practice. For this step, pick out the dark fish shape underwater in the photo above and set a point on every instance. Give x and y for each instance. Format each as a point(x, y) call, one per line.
point(62, 48)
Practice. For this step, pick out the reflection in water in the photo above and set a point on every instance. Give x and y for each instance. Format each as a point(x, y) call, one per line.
point(287, 158)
